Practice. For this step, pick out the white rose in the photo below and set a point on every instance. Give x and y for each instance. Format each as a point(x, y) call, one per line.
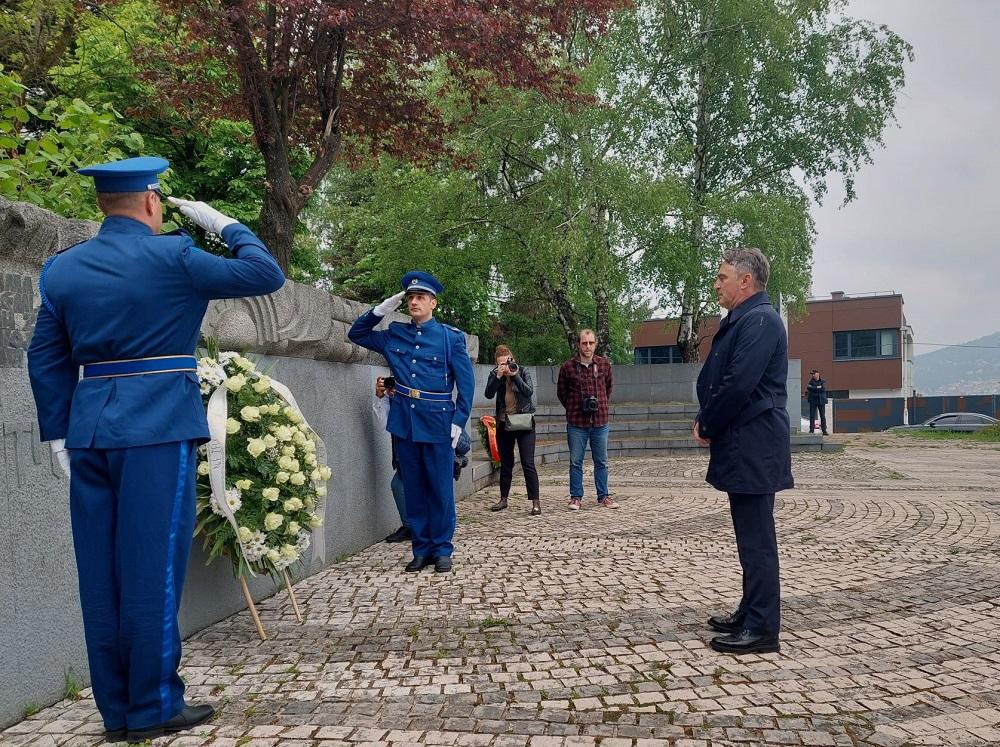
point(299, 439)
point(288, 450)
point(321, 490)
point(315, 521)
point(309, 502)
point(289, 552)
point(325, 472)
point(250, 414)
point(269, 441)
point(262, 385)
point(232, 426)
point(244, 484)
point(292, 504)
point(292, 414)
point(281, 477)
point(256, 447)
point(273, 555)
point(235, 383)
point(273, 521)
point(245, 534)
point(244, 363)
point(285, 462)
point(270, 494)
point(310, 459)
point(293, 528)
point(309, 446)
point(315, 475)
point(297, 479)
point(203, 468)
point(283, 433)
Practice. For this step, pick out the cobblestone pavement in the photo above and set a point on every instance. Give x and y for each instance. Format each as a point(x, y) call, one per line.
point(587, 628)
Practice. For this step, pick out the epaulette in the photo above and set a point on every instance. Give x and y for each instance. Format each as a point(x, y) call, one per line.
point(453, 329)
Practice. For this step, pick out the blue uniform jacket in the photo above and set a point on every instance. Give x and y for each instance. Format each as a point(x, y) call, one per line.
point(742, 393)
point(129, 293)
point(431, 357)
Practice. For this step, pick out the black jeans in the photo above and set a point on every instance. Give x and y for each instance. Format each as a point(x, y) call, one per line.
point(526, 446)
point(813, 410)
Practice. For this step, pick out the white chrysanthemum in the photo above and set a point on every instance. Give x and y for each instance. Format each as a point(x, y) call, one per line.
point(227, 356)
point(302, 542)
point(234, 499)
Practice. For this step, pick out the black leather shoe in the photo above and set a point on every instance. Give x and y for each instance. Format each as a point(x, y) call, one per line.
point(400, 535)
point(442, 564)
point(188, 718)
point(731, 624)
point(115, 735)
point(418, 563)
point(746, 642)
point(500, 505)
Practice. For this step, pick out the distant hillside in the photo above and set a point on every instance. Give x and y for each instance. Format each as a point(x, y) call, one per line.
point(973, 370)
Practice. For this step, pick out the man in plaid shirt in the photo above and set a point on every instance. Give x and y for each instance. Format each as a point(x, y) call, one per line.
point(584, 388)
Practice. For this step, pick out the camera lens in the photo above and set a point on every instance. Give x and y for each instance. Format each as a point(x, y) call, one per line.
point(512, 367)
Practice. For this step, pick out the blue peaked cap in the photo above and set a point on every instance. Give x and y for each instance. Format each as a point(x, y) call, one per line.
point(422, 281)
point(130, 175)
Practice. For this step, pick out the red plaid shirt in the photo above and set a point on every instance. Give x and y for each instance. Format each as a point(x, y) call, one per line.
point(577, 382)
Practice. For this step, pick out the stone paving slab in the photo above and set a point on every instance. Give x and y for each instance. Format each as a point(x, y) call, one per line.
point(587, 628)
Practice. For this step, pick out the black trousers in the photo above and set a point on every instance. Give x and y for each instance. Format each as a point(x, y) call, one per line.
point(813, 409)
point(526, 446)
point(757, 543)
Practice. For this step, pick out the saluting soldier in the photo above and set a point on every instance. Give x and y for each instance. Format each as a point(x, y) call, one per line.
point(127, 307)
point(428, 361)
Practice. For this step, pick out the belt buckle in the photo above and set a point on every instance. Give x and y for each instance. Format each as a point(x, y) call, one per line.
point(415, 393)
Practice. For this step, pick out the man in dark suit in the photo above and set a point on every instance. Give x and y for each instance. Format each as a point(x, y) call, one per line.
point(742, 419)
point(816, 391)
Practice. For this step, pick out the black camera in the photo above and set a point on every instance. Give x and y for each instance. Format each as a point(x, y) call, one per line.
point(589, 404)
point(512, 365)
point(389, 382)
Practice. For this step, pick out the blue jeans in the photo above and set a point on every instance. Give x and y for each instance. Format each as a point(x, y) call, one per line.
point(399, 496)
point(578, 438)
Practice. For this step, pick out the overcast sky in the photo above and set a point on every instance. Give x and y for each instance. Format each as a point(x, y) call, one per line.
point(924, 223)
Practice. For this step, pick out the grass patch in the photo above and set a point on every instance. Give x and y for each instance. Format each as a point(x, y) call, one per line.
point(31, 709)
point(986, 435)
point(72, 686)
point(495, 622)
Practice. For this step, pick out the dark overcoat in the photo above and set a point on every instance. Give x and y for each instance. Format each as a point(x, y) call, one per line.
point(742, 394)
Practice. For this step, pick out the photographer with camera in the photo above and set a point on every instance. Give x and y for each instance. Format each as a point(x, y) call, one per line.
point(584, 389)
point(511, 385)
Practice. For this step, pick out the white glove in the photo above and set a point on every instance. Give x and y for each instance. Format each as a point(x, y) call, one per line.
point(59, 452)
point(203, 214)
point(456, 431)
point(389, 305)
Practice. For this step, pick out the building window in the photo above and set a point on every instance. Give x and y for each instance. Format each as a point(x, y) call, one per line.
point(866, 343)
point(658, 354)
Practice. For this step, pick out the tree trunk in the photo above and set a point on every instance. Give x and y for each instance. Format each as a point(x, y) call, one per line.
point(602, 320)
point(277, 227)
point(559, 301)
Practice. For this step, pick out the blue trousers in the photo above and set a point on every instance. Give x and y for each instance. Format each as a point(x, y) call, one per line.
point(133, 514)
point(428, 484)
point(757, 544)
point(577, 438)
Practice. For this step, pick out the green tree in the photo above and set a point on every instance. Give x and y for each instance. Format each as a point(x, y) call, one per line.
point(759, 102)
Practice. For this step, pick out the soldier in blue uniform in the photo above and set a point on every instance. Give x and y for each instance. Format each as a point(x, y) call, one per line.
point(427, 359)
point(127, 307)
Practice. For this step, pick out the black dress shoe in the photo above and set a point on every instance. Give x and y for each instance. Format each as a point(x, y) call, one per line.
point(500, 505)
point(731, 624)
point(442, 564)
point(746, 642)
point(418, 563)
point(189, 717)
point(400, 535)
point(115, 735)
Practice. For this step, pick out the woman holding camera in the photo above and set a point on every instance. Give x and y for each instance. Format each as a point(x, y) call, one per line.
point(511, 385)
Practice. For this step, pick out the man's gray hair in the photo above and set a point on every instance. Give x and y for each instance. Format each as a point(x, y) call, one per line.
point(748, 259)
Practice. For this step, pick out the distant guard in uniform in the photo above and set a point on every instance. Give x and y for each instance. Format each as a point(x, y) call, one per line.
point(127, 307)
point(742, 394)
point(428, 361)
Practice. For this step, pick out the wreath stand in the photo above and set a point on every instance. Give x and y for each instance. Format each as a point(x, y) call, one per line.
point(253, 607)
